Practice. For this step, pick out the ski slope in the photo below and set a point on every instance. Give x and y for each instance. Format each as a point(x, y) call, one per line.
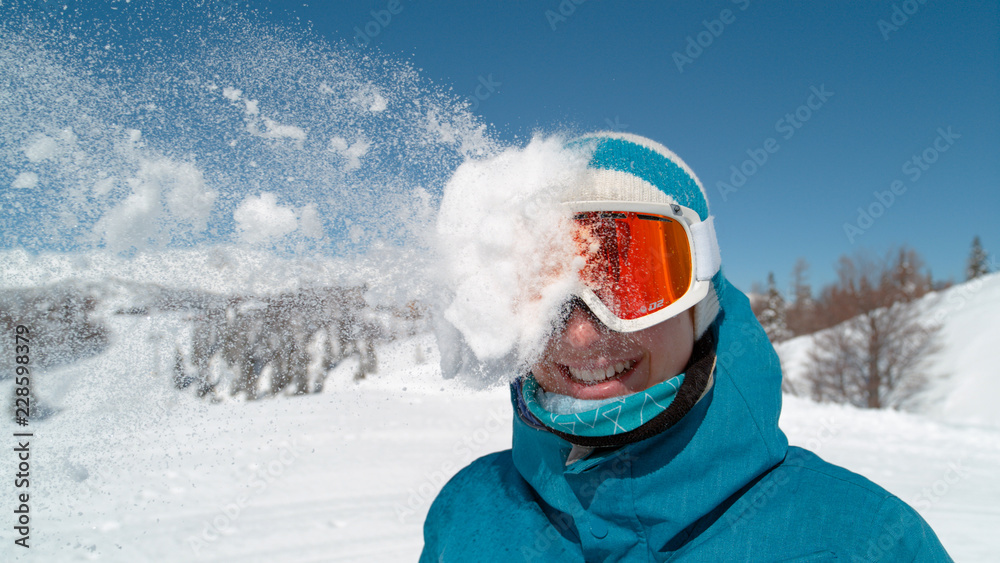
point(131, 470)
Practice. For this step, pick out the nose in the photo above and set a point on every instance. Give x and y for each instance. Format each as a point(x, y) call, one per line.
point(582, 330)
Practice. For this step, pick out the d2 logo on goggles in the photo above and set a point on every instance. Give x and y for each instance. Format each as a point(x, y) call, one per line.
point(652, 307)
point(640, 261)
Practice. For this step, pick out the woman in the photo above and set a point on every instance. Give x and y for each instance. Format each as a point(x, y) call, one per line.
point(647, 430)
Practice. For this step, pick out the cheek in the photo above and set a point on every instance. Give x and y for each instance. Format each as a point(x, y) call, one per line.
point(546, 377)
point(669, 345)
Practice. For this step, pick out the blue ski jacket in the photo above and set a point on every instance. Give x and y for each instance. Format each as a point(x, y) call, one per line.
point(721, 484)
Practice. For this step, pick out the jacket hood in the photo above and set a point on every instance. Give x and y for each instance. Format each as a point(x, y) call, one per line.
point(655, 494)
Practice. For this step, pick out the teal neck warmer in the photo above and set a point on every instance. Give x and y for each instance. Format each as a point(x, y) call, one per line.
point(619, 420)
point(608, 417)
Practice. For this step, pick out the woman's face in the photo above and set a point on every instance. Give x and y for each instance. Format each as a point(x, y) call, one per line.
point(587, 360)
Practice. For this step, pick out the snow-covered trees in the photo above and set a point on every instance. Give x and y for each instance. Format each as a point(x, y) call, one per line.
point(62, 316)
point(976, 265)
point(63, 329)
point(267, 344)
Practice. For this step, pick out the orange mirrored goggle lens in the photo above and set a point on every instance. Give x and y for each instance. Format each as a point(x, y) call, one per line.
point(637, 263)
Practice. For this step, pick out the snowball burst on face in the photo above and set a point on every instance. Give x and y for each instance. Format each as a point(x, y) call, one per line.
point(508, 248)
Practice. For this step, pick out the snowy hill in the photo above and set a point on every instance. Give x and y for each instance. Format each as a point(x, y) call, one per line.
point(129, 469)
point(132, 471)
point(965, 377)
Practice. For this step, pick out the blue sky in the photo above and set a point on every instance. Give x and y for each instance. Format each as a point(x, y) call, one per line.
point(838, 103)
point(890, 87)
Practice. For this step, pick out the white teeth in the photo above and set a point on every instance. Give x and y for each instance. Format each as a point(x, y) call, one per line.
point(595, 375)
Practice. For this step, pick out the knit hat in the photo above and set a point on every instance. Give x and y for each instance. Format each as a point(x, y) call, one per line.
point(626, 167)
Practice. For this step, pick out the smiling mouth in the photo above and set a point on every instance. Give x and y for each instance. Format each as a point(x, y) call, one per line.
point(593, 376)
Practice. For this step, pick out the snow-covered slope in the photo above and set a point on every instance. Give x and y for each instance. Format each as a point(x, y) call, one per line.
point(968, 369)
point(965, 376)
point(130, 470)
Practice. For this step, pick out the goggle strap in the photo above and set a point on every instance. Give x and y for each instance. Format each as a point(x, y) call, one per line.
point(706, 249)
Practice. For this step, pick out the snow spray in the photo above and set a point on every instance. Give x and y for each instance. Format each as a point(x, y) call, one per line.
point(203, 130)
point(241, 157)
point(508, 252)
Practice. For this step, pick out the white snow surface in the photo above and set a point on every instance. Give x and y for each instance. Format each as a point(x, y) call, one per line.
point(131, 470)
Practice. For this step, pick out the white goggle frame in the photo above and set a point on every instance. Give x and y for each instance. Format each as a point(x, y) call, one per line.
point(704, 256)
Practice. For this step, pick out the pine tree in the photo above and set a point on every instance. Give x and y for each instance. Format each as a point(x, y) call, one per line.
point(801, 314)
point(903, 280)
point(977, 261)
point(772, 317)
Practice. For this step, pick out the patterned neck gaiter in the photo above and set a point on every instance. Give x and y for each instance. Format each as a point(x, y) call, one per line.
point(608, 417)
point(619, 420)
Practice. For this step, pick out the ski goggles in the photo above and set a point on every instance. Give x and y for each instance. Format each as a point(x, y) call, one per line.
point(645, 262)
